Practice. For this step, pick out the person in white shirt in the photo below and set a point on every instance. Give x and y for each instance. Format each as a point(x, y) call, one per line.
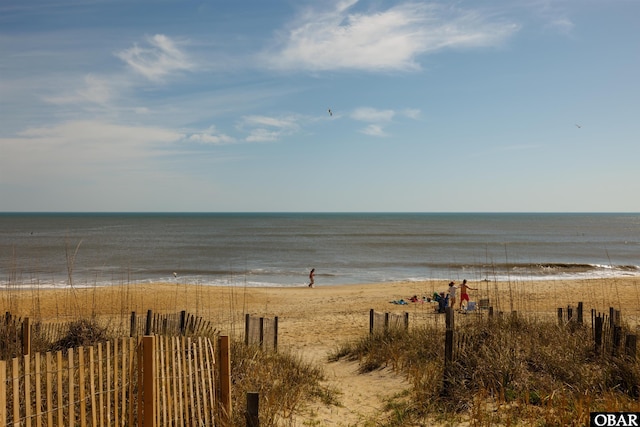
point(452, 294)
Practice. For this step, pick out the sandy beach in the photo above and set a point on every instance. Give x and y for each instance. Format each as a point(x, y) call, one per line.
point(312, 322)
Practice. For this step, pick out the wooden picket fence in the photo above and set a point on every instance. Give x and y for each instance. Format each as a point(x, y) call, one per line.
point(261, 331)
point(382, 322)
point(182, 323)
point(14, 330)
point(150, 381)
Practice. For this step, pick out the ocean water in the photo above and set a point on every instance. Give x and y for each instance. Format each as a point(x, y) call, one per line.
point(273, 249)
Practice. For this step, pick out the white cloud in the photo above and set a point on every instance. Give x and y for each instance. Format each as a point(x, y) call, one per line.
point(377, 118)
point(366, 114)
point(282, 123)
point(374, 130)
point(267, 129)
point(263, 135)
point(389, 39)
point(211, 136)
point(95, 90)
point(157, 60)
point(411, 113)
point(561, 25)
point(79, 149)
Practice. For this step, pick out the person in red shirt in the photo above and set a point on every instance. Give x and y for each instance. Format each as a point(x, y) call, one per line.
point(464, 295)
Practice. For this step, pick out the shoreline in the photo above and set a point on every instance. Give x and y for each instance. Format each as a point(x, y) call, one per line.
point(196, 281)
point(531, 296)
point(313, 321)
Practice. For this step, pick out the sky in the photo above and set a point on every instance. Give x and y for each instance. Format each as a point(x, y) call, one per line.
point(319, 106)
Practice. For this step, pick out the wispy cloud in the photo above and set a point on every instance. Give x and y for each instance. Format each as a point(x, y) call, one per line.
point(554, 15)
point(412, 113)
point(374, 130)
point(389, 39)
point(211, 136)
point(94, 89)
point(158, 59)
point(377, 118)
point(366, 114)
point(79, 147)
point(561, 25)
point(267, 129)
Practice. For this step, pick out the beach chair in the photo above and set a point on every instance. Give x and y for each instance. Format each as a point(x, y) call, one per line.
point(471, 306)
point(483, 304)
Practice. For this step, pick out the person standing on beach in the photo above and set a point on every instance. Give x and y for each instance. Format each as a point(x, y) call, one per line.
point(452, 294)
point(312, 273)
point(464, 296)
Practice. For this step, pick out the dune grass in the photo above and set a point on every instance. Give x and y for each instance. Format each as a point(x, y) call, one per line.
point(285, 383)
point(510, 371)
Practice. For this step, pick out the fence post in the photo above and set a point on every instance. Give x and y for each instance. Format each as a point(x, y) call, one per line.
point(275, 334)
point(253, 403)
point(598, 333)
point(406, 320)
point(26, 337)
point(132, 326)
point(147, 329)
point(560, 316)
point(183, 322)
point(580, 307)
point(225, 380)
point(247, 328)
point(148, 380)
point(261, 332)
point(449, 318)
point(386, 322)
point(371, 317)
point(612, 318)
point(3, 393)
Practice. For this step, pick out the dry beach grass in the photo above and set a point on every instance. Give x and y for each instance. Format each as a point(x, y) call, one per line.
point(314, 323)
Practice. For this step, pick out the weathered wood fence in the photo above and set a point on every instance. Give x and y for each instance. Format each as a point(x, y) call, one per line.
point(261, 331)
point(182, 323)
point(382, 322)
point(149, 381)
point(608, 333)
point(17, 334)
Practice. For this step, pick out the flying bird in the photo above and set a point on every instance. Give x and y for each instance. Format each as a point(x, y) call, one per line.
point(330, 113)
point(578, 126)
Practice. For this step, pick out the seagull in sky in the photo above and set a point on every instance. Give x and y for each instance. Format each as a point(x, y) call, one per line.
point(330, 113)
point(578, 126)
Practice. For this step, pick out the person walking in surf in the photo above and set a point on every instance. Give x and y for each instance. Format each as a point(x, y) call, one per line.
point(312, 273)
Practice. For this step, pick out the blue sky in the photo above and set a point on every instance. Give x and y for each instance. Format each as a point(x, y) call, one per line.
point(223, 105)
